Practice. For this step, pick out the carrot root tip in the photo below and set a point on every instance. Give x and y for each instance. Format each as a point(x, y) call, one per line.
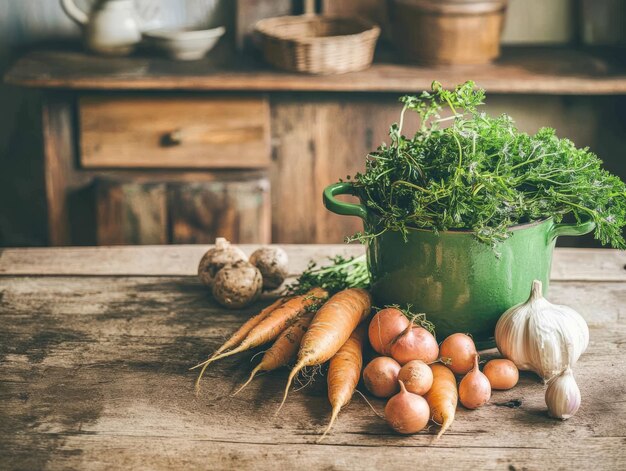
point(333, 417)
point(378, 414)
point(296, 369)
point(197, 384)
point(252, 375)
point(206, 363)
point(445, 425)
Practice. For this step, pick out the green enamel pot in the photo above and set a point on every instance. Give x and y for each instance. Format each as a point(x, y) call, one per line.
point(461, 284)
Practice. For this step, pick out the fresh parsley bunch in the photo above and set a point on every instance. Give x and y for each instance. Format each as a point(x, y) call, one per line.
point(340, 274)
point(466, 170)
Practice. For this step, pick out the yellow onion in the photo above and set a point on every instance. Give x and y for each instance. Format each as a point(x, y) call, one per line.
point(407, 413)
point(474, 388)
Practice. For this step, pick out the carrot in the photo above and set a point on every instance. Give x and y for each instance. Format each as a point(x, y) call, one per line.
point(270, 327)
point(331, 327)
point(442, 397)
point(241, 333)
point(284, 349)
point(344, 372)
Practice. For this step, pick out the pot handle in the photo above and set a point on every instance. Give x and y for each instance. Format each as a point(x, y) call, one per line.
point(75, 13)
point(579, 229)
point(341, 207)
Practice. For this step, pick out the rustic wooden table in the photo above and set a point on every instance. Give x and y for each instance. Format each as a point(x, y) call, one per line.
point(95, 346)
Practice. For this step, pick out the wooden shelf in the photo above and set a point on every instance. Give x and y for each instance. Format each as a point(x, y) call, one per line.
point(558, 71)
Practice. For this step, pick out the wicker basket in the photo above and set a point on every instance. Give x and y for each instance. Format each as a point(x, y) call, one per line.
point(317, 44)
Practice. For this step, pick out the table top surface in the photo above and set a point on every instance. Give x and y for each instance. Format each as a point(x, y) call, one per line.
point(526, 70)
point(95, 346)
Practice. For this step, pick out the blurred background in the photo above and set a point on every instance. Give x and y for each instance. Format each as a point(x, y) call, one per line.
point(173, 121)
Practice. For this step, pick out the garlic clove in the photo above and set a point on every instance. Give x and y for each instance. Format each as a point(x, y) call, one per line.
point(563, 396)
point(540, 336)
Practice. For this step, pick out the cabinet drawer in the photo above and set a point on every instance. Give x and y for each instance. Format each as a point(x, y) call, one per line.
point(174, 132)
point(182, 212)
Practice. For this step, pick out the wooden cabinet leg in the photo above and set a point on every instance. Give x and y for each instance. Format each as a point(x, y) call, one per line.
point(58, 155)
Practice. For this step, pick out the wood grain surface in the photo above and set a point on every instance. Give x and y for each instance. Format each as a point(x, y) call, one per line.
point(94, 375)
point(130, 213)
point(569, 264)
point(375, 11)
point(59, 158)
point(239, 210)
point(248, 12)
point(316, 141)
point(179, 212)
point(520, 70)
point(174, 132)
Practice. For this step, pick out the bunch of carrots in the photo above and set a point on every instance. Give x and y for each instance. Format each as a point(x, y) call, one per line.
point(311, 329)
point(310, 335)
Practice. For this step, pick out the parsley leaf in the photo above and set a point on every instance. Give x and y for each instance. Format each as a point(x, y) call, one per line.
point(466, 170)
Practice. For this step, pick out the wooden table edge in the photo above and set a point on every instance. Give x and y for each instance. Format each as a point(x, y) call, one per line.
point(569, 264)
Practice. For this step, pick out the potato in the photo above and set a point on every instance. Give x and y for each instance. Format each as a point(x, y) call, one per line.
point(217, 258)
point(236, 286)
point(273, 263)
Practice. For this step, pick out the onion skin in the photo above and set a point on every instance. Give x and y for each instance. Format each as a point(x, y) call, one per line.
point(417, 377)
point(460, 350)
point(415, 343)
point(501, 373)
point(381, 376)
point(474, 388)
point(407, 413)
point(385, 327)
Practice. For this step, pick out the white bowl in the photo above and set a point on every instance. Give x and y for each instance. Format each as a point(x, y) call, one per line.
point(185, 45)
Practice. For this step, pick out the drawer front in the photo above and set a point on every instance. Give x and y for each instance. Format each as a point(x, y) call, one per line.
point(182, 212)
point(174, 132)
point(238, 210)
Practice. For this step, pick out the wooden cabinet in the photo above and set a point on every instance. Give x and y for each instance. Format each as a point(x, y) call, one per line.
point(112, 179)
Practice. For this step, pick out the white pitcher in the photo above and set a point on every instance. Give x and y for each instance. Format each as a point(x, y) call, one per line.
point(111, 28)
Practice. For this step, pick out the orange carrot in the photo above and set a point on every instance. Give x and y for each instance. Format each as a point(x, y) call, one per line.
point(330, 329)
point(245, 329)
point(442, 397)
point(344, 372)
point(284, 349)
point(270, 327)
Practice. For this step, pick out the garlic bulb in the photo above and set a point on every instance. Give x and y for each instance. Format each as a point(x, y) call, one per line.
point(563, 395)
point(542, 337)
